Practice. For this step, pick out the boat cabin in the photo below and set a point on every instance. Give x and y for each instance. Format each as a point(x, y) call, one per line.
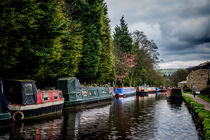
point(75, 94)
point(23, 92)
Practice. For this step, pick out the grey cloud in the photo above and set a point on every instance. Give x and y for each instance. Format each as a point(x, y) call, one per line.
point(183, 25)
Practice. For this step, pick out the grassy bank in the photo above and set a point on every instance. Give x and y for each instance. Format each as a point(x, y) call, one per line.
point(204, 97)
point(203, 115)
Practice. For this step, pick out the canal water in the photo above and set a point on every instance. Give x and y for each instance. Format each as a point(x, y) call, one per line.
point(140, 118)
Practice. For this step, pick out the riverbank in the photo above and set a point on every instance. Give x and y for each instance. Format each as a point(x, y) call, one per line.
point(201, 111)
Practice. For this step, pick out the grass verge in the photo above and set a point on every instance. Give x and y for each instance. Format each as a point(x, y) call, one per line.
point(203, 115)
point(204, 97)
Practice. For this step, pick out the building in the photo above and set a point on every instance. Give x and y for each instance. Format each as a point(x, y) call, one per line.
point(199, 76)
point(168, 72)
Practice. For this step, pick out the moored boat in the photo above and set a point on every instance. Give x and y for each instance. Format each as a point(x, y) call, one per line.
point(125, 91)
point(5, 115)
point(174, 94)
point(141, 91)
point(84, 97)
point(26, 102)
point(151, 90)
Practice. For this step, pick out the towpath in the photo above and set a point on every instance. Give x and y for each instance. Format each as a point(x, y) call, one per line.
point(200, 101)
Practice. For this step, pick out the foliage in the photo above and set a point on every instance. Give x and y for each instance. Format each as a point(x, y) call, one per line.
point(67, 65)
point(146, 59)
point(203, 114)
point(90, 14)
point(106, 64)
point(178, 76)
point(37, 29)
point(121, 36)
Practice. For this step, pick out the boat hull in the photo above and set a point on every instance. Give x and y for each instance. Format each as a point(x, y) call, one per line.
point(21, 112)
point(141, 93)
point(174, 94)
point(89, 103)
point(125, 92)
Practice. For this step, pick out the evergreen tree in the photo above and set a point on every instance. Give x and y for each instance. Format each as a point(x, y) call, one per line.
point(90, 14)
point(122, 38)
point(33, 31)
point(105, 67)
point(67, 65)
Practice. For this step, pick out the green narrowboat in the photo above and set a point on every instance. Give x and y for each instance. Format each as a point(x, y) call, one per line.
point(5, 115)
point(174, 94)
point(75, 95)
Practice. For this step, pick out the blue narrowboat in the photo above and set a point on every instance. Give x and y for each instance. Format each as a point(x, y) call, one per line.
point(5, 115)
point(125, 91)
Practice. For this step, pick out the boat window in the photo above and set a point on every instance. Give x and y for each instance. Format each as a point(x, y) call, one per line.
point(28, 88)
point(61, 95)
point(45, 97)
point(55, 95)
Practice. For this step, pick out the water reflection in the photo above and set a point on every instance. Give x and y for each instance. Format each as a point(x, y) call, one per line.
point(126, 118)
point(49, 129)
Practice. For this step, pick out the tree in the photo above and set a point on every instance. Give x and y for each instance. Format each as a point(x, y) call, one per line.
point(122, 50)
point(90, 14)
point(146, 59)
point(33, 31)
point(68, 64)
point(106, 64)
point(121, 36)
point(178, 76)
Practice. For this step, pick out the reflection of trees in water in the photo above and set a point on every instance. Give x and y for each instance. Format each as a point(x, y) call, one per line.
point(37, 130)
point(89, 123)
point(132, 117)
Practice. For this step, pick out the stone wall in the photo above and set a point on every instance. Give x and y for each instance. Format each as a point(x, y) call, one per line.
point(198, 78)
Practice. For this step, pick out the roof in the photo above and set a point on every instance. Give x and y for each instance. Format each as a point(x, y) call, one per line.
point(66, 78)
point(183, 82)
point(18, 80)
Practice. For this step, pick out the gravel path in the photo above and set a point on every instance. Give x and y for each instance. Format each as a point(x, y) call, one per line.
point(200, 101)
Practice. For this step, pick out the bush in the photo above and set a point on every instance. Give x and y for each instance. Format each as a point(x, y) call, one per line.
point(204, 115)
point(186, 89)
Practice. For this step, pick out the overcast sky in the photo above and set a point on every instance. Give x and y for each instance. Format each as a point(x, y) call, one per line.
point(180, 28)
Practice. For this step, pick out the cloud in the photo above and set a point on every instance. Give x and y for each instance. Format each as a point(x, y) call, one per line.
point(180, 64)
point(181, 29)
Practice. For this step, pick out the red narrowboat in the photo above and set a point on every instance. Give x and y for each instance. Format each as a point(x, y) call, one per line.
point(26, 102)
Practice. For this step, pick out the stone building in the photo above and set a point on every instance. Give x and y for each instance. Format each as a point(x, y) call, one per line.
point(199, 76)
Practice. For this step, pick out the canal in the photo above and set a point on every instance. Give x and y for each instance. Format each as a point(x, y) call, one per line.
point(126, 118)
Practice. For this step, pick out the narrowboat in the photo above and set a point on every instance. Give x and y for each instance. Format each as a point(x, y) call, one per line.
point(174, 94)
point(84, 97)
point(151, 90)
point(5, 115)
point(162, 89)
point(141, 91)
point(25, 101)
point(124, 91)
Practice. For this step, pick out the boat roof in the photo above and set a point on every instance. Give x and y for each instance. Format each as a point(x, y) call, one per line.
point(18, 80)
point(66, 78)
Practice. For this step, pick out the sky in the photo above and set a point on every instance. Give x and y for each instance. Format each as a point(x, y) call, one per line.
point(180, 28)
